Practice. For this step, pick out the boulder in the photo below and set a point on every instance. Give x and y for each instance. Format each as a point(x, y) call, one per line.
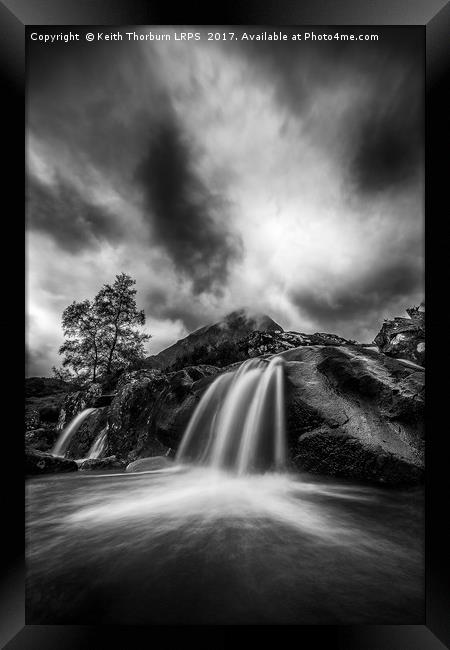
point(149, 464)
point(353, 412)
point(151, 409)
point(111, 462)
point(38, 462)
point(404, 338)
point(335, 453)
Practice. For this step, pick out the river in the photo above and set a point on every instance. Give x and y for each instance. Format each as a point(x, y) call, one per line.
point(202, 546)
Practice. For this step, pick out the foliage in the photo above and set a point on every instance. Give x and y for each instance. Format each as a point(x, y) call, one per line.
point(102, 335)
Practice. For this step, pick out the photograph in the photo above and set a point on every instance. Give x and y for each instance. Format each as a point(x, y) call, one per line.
point(225, 325)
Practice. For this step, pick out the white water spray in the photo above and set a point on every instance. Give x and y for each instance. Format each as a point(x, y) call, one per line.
point(69, 431)
point(239, 423)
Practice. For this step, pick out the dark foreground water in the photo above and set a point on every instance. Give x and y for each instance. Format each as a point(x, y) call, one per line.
point(194, 546)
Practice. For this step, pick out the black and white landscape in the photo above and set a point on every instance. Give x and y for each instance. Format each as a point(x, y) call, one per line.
point(226, 331)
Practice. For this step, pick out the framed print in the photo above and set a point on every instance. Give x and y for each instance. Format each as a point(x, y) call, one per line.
point(231, 224)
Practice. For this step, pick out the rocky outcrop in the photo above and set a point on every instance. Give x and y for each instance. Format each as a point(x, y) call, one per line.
point(151, 409)
point(256, 344)
point(268, 343)
point(351, 411)
point(85, 436)
point(38, 462)
point(356, 413)
point(76, 402)
point(404, 338)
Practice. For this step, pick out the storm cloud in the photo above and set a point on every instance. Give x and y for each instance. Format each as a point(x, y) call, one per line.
point(65, 215)
point(282, 177)
point(187, 218)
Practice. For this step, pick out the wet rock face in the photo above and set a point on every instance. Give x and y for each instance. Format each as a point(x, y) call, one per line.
point(404, 338)
point(85, 437)
point(151, 409)
point(76, 402)
point(131, 411)
point(38, 462)
point(355, 413)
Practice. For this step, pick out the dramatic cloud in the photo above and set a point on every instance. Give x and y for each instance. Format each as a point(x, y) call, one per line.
point(65, 215)
point(282, 177)
point(188, 219)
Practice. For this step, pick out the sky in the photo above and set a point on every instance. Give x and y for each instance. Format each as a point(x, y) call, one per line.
point(284, 177)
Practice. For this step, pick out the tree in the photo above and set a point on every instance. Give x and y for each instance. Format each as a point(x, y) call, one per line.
point(102, 335)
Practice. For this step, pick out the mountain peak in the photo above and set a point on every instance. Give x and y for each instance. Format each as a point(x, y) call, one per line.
point(232, 327)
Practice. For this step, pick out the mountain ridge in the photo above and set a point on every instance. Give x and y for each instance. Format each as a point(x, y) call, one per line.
point(233, 327)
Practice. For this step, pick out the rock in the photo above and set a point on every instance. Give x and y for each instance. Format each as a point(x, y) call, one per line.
point(131, 414)
point(351, 411)
point(38, 462)
point(404, 338)
point(84, 438)
point(151, 410)
point(355, 413)
point(337, 454)
point(49, 414)
point(149, 464)
point(111, 462)
point(175, 405)
point(76, 402)
point(256, 344)
point(42, 439)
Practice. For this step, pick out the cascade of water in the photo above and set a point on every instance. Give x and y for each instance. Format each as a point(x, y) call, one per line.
point(98, 445)
point(197, 436)
point(69, 431)
point(239, 422)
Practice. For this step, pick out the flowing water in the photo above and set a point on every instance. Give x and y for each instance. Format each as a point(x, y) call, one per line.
point(69, 432)
point(202, 545)
point(239, 422)
point(99, 444)
point(225, 536)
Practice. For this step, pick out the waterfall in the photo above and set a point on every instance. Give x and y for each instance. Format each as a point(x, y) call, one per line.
point(239, 422)
point(69, 431)
point(99, 445)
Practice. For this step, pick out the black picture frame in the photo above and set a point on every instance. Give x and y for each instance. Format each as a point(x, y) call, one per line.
point(434, 17)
